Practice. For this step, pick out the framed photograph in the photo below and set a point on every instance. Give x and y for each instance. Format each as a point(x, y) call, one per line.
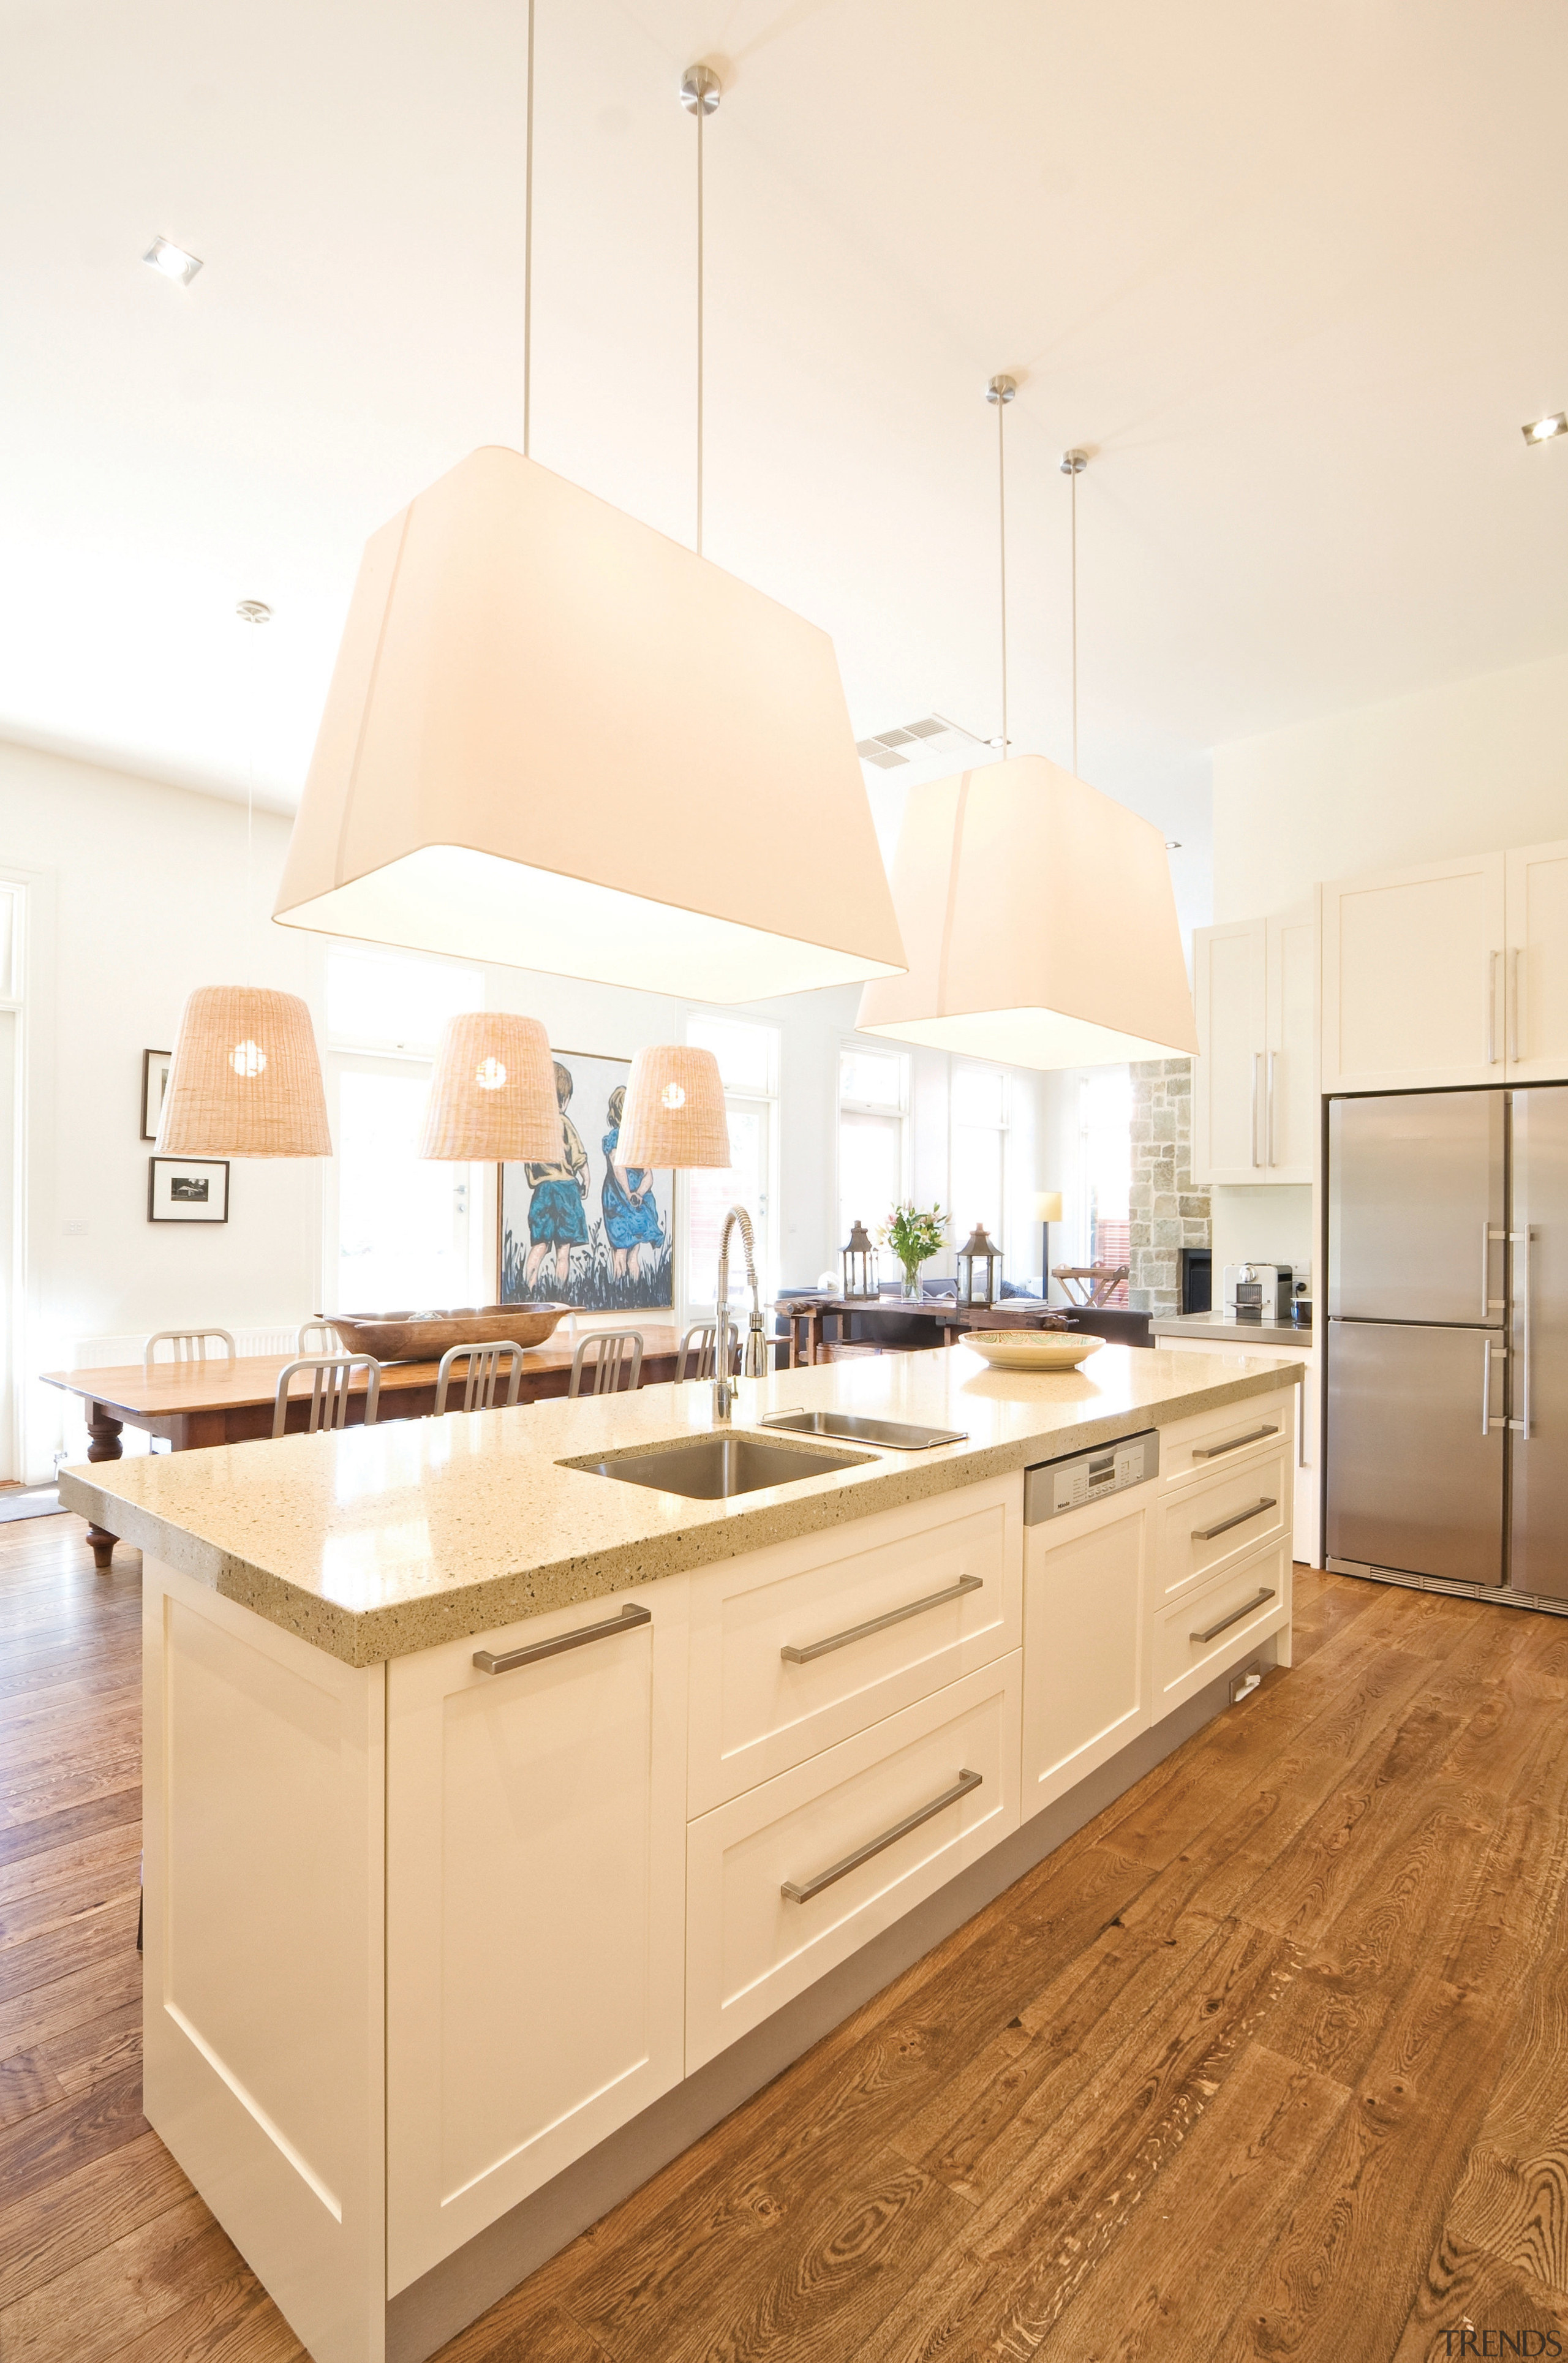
point(187, 1189)
point(587, 1230)
point(154, 1083)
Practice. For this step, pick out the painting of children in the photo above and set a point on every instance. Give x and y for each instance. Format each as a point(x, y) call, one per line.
point(585, 1228)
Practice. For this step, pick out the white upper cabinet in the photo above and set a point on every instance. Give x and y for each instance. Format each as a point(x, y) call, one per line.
point(1534, 1016)
point(1254, 1088)
point(1414, 988)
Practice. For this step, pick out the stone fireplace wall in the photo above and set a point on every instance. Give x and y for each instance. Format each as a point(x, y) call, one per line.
point(1166, 1212)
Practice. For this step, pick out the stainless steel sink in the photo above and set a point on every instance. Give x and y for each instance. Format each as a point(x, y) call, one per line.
point(891, 1433)
point(714, 1467)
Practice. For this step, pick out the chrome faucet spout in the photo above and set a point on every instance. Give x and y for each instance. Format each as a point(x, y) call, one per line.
point(753, 1361)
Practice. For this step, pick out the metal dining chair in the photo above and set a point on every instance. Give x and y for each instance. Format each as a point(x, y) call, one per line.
point(317, 1339)
point(185, 1346)
point(485, 1375)
point(331, 1379)
point(615, 1350)
point(695, 1360)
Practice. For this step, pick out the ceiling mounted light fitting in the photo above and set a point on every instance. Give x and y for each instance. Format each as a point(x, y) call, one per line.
point(674, 1115)
point(172, 262)
point(253, 611)
point(558, 739)
point(493, 1093)
point(245, 1078)
point(998, 971)
point(1545, 430)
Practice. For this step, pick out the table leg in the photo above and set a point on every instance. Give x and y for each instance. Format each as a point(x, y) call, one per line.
point(103, 1443)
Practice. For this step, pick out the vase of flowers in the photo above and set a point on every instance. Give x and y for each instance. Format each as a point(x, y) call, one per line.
point(915, 1234)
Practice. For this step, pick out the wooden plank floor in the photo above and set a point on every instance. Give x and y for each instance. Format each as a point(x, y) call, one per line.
point(1270, 2061)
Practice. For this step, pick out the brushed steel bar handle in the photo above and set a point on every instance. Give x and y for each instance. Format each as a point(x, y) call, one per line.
point(1206, 1533)
point(1523, 1421)
point(1212, 1451)
point(1493, 958)
point(802, 1890)
point(1209, 1632)
point(489, 1664)
point(1486, 1386)
point(1257, 1064)
point(1514, 1004)
point(1269, 1109)
point(880, 1624)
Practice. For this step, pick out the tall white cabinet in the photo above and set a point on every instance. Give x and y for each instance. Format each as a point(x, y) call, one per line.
point(1254, 1084)
point(1450, 974)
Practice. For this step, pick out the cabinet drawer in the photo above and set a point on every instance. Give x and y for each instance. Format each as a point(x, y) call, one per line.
point(1194, 1447)
point(798, 1648)
point(1206, 1526)
point(765, 1914)
point(1219, 1623)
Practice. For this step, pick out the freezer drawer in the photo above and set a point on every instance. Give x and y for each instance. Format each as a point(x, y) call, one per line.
point(1539, 1548)
point(1416, 1207)
point(1414, 1482)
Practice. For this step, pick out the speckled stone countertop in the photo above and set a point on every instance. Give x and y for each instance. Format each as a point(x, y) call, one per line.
point(381, 1541)
point(1234, 1332)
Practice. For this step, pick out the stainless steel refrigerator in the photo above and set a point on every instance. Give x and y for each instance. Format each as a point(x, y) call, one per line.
point(1446, 1338)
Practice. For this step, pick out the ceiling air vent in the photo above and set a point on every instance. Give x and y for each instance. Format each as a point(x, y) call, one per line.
point(932, 735)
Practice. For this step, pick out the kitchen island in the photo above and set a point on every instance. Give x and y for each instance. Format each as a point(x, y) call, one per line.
point(506, 1824)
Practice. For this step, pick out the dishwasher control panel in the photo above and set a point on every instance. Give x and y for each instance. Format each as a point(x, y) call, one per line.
point(1053, 1487)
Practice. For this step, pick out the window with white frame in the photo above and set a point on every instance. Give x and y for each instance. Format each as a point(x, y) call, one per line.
point(873, 1120)
point(400, 1232)
point(1104, 1168)
point(748, 1055)
point(978, 1152)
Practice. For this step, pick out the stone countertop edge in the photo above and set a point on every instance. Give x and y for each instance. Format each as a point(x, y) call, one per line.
point(370, 1636)
point(1229, 1332)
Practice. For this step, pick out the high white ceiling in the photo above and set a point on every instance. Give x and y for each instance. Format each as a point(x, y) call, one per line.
point(1295, 275)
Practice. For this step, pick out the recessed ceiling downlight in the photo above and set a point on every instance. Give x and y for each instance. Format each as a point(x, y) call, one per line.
point(173, 261)
point(1542, 430)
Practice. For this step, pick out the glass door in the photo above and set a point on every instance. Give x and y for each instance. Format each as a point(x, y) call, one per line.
point(398, 1238)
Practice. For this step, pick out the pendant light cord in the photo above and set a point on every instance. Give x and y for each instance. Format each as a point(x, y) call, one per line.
point(1072, 481)
point(700, 112)
point(528, 248)
point(1002, 555)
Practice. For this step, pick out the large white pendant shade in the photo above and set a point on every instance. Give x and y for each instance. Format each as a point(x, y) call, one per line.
point(493, 1091)
point(245, 1078)
point(1039, 923)
point(559, 739)
point(675, 1114)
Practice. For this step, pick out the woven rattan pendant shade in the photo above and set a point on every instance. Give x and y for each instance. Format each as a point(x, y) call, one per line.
point(245, 1080)
point(675, 1114)
point(492, 1094)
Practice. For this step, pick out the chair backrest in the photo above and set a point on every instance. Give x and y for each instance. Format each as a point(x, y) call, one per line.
point(615, 1350)
point(317, 1338)
point(695, 1360)
point(331, 1379)
point(185, 1345)
point(489, 1367)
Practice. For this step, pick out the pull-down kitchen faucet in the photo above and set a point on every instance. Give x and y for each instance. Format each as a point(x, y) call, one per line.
point(753, 1361)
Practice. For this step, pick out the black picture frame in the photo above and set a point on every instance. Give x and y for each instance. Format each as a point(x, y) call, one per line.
point(205, 1180)
point(154, 1063)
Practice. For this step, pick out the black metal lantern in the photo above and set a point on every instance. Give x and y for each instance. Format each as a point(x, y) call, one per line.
point(979, 1268)
point(859, 1267)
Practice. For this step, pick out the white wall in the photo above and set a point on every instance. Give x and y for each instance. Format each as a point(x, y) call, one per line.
point(1479, 764)
point(138, 893)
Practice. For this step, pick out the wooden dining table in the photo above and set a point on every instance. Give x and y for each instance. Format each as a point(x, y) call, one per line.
point(194, 1405)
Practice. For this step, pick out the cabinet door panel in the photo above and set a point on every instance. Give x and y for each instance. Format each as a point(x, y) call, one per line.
point(1290, 1117)
point(535, 1946)
point(1085, 1652)
point(1536, 985)
point(1230, 971)
point(1412, 978)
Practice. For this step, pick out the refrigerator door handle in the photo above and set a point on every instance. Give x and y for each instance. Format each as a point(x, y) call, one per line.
point(1490, 1238)
point(1486, 1386)
point(1521, 1291)
point(1492, 959)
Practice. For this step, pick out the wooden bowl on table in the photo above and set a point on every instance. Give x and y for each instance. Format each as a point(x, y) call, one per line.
point(425, 1336)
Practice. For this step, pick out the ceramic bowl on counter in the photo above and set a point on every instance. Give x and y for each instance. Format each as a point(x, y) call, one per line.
point(425, 1336)
point(1033, 1350)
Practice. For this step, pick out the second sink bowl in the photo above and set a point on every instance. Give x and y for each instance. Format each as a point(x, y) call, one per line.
point(716, 1468)
point(892, 1434)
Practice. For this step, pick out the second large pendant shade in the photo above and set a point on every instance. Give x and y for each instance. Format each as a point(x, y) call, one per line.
point(493, 1093)
point(557, 739)
point(1041, 924)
